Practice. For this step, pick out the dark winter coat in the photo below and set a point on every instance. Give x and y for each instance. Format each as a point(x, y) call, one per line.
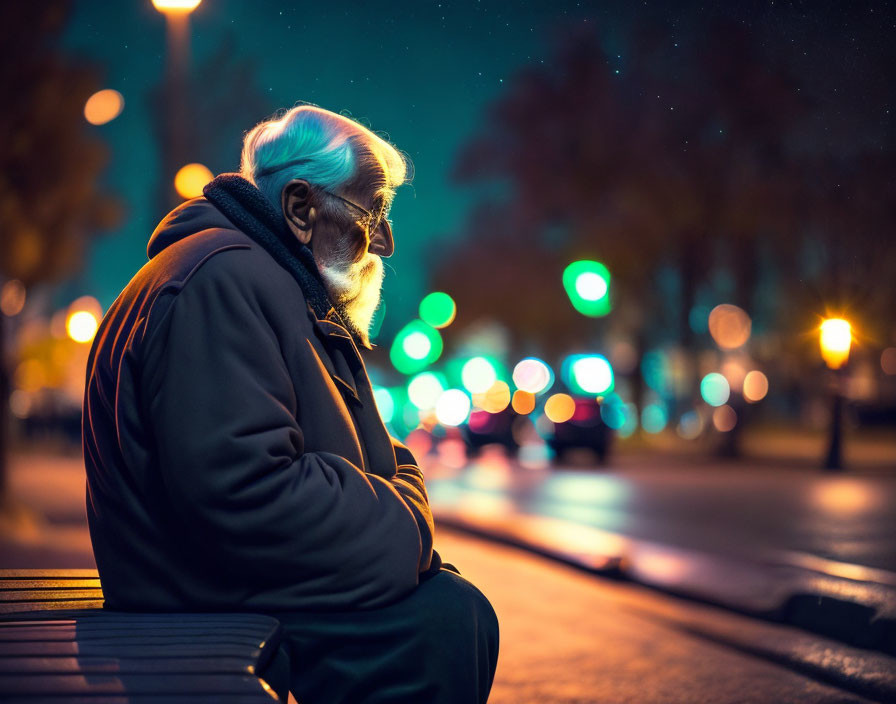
point(235, 456)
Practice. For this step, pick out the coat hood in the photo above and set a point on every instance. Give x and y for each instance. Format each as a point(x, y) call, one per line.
point(186, 219)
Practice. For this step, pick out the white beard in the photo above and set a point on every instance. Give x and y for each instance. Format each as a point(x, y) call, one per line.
point(356, 289)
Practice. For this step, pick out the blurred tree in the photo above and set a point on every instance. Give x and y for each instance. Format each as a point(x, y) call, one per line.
point(51, 202)
point(667, 163)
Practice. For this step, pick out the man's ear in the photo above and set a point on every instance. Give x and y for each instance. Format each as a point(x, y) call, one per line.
point(297, 201)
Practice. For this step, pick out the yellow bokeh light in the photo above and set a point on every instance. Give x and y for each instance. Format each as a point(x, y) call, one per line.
point(103, 106)
point(176, 5)
point(496, 399)
point(523, 402)
point(729, 326)
point(81, 326)
point(559, 408)
point(755, 386)
point(835, 340)
point(191, 179)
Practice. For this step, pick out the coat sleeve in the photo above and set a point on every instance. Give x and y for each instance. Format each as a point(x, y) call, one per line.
point(409, 481)
point(232, 458)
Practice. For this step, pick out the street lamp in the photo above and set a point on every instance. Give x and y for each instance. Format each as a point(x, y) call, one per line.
point(835, 339)
point(177, 123)
point(178, 6)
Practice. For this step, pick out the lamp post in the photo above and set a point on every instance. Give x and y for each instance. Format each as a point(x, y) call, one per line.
point(175, 130)
point(835, 339)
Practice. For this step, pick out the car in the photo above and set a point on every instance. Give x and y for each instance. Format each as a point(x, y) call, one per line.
point(585, 430)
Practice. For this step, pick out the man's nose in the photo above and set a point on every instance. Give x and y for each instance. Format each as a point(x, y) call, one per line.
point(381, 241)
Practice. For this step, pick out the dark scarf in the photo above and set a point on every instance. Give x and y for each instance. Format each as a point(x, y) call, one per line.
point(248, 208)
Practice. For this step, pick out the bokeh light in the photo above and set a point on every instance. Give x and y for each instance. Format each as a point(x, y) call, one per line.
point(533, 375)
point(724, 418)
point(588, 374)
point(613, 411)
point(729, 326)
point(438, 309)
point(591, 286)
point(690, 425)
point(478, 374)
point(81, 325)
point(523, 402)
point(735, 372)
point(416, 346)
point(385, 404)
point(656, 369)
point(424, 390)
point(559, 408)
point(191, 179)
point(453, 407)
point(103, 106)
point(12, 298)
point(654, 418)
point(593, 374)
point(888, 360)
point(587, 284)
point(714, 389)
point(835, 340)
point(755, 386)
point(495, 399)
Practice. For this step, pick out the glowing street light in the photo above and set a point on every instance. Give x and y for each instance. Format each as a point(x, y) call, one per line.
point(81, 326)
point(835, 340)
point(178, 122)
point(176, 6)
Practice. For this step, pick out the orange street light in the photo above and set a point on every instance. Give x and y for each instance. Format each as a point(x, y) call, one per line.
point(81, 325)
point(835, 340)
point(178, 6)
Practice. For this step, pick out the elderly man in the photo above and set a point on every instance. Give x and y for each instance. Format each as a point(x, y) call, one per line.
point(235, 456)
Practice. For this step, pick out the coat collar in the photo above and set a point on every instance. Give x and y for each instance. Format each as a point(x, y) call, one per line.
point(248, 208)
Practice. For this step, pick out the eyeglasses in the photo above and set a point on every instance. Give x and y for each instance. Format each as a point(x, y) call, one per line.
point(374, 222)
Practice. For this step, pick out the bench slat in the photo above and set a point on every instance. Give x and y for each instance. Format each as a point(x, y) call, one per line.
point(146, 699)
point(51, 595)
point(130, 684)
point(91, 634)
point(27, 606)
point(54, 584)
point(40, 573)
point(133, 618)
point(246, 649)
point(70, 665)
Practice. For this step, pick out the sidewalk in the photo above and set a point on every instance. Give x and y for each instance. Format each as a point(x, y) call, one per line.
point(568, 638)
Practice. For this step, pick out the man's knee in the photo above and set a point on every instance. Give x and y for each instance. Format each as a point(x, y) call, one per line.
point(451, 602)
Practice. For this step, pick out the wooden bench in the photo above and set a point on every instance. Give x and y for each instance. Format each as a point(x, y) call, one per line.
point(57, 644)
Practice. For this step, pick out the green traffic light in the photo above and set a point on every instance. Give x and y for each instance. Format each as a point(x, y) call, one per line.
point(587, 284)
point(416, 346)
point(438, 309)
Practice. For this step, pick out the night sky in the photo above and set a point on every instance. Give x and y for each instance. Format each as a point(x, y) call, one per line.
point(423, 73)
